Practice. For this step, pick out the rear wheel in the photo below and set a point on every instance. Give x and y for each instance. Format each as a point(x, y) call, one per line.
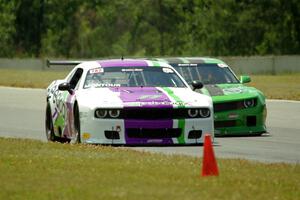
point(49, 126)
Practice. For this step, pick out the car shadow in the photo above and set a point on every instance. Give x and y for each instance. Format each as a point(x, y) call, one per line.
point(266, 134)
point(151, 145)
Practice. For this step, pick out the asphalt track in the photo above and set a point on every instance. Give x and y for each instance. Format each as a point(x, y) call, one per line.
point(22, 116)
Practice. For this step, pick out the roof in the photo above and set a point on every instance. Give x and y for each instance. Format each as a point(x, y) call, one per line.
point(124, 63)
point(194, 60)
point(109, 63)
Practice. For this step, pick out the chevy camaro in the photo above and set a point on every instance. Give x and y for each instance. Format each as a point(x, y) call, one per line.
point(126, 101)
point(238, 109)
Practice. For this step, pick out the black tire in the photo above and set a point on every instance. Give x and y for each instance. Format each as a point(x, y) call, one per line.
point(77, 123)
point(49, 126)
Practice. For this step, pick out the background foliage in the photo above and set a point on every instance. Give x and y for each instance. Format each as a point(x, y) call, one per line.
point(104, 28)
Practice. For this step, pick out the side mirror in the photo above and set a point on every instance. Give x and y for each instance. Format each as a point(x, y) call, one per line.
point(245, 79)
point(197, 85)
point(65, 87)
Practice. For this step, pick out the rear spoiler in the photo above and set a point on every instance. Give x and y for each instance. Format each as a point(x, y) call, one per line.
point(63, 62)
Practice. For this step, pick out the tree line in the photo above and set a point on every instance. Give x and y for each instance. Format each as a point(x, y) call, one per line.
point(105, 28)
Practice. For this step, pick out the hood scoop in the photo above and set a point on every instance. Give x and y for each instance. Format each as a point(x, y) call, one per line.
point(142, 94)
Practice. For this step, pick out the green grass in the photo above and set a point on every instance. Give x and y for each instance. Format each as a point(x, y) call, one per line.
point(284, 86)
point(36, 170)
point(29, 78)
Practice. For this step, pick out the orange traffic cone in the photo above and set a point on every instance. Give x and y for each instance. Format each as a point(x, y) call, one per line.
point(209, 164)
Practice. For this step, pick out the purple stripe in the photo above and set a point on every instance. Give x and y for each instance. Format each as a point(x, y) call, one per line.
point(123, 63)
point(149, 97)
point(151, 124)
point(55, 113)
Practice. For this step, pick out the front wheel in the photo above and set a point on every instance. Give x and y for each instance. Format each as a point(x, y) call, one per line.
point(49, 126)
point(77, 124)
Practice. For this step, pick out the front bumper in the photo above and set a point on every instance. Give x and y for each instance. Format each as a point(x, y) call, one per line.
point(250, 121)
point(146, 132)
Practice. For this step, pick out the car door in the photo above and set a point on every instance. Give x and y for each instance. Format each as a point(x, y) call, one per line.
point(64, 123)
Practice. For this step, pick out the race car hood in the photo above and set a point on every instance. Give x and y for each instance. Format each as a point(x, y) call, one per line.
point(230, 92)
point(119, 97)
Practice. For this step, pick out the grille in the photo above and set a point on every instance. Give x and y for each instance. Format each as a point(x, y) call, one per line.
point(233, 105)
point(251, 120)
point(223, 124)
point(153, 133)
point(154, 113)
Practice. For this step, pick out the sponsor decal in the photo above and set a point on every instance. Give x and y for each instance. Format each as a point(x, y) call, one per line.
point(156, 96)
point(232, 90)
point(154, 141)
point(154, 103)
point(107, 85)
point(222, 65)
point(118, 128)
point(132, 104)
point(233, 116)
point(167, 70)
point(86, 136)
point(132, 70)
point(96, 71)
point(164, 103)
point(187, 64)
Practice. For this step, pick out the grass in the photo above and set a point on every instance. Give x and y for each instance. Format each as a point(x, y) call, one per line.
point(29, 78)
point(283, 86)
point(35, 170)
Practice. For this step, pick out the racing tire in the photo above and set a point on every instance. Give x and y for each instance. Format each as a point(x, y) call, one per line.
point(49, 126)
point(77, 124)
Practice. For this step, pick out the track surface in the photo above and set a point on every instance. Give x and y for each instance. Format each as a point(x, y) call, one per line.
point(22, 116)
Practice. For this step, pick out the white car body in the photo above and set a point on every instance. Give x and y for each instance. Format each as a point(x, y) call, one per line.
point(147, 115)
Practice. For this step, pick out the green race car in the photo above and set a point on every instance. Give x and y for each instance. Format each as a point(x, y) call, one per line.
point(238, 109)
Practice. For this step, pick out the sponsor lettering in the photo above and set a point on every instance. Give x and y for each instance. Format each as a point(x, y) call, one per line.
point(96, 71)
point(167, 70)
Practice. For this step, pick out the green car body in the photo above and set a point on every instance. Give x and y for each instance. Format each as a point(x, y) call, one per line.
point(238, 109)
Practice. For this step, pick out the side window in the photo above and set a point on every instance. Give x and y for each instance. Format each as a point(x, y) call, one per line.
point(75, 78)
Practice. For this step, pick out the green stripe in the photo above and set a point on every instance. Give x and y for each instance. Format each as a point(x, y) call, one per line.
point(184, 60)
point(212, 61)
point(181, 122)
point(175, 97)
point(60, 122)
point(162, 60)
point(65, 96)
point(155, 63)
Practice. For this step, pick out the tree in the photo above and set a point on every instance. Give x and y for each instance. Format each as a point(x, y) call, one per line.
point(29, 27)
point(7, 28)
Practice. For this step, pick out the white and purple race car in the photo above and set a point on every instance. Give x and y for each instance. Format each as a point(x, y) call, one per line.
point(126, 101)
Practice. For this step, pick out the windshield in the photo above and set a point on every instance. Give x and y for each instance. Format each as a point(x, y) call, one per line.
point(206, 73)
point(132, 77)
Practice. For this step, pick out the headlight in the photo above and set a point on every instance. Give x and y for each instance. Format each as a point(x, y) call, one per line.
point(204, 112)
point(114, 113)
point(248, 103)
point(100, 113)
point(192, 113)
